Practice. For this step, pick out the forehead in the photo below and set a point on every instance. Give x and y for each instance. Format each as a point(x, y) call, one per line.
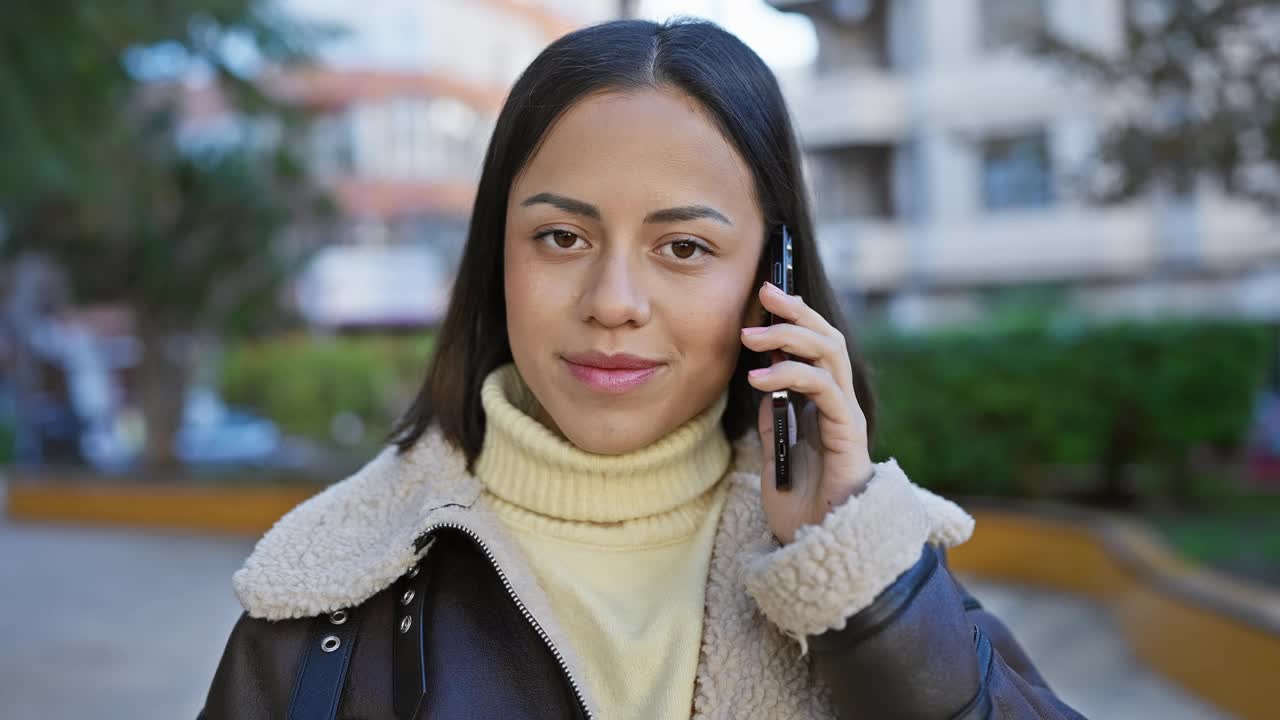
point(640, 149)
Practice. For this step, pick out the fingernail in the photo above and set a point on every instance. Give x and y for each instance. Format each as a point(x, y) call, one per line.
point(753, 330)
point(759, 372)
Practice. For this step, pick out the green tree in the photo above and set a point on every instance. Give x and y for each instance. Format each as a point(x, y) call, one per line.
point(110, 173)
point(1200, 84)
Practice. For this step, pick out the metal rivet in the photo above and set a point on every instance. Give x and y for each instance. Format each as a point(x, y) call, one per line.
point(406, 623)
point(330, 643)
point(408, 597)
point(337, 617)
point(414, 572)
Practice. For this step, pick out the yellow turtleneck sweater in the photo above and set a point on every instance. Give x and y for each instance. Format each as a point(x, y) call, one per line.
point(620, 543)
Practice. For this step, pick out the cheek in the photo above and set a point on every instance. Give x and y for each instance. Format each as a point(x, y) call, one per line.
point(709, 322)
point(519, 288)
point(534, 297)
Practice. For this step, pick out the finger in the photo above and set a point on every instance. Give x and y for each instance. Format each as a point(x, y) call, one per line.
point(818, 385)
point(794, 309)
point(805, 344)
point(793, 339)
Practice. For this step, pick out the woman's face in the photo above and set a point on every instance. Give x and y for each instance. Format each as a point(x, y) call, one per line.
point(634, 230)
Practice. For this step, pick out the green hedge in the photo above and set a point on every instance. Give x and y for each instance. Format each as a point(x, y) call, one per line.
point(302, 383)
point(8, 425)
point(1066, 410)
point(1037, 409)
point(7, 440)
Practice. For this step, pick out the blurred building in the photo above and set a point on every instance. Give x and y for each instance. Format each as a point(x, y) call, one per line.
point(941, 156)
point(408, 96)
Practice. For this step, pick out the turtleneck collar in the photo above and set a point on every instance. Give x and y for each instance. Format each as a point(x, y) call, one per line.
point(524, 463)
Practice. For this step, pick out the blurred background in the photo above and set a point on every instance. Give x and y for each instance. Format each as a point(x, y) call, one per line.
point(229, 227)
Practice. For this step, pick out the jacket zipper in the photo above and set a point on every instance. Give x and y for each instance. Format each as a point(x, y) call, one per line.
point(506, 583)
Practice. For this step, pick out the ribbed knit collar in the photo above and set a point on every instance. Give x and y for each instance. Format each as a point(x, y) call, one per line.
point(524, 463)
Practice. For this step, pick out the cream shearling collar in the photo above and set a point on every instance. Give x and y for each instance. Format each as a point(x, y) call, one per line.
point(356, 537)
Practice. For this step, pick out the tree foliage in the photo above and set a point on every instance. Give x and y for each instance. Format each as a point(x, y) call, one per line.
point(1198, 83)
point(146, 157)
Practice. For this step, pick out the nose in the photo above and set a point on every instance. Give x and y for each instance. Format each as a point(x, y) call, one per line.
point(616, 294)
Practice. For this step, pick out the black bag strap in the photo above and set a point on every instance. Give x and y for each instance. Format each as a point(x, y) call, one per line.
point(323, 671)
point(408, 665)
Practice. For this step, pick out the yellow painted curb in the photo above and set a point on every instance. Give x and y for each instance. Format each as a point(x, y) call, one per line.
point(230, 510)
point(1212, 634)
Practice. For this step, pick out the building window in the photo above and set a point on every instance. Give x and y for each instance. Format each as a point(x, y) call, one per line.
point(853, 182)
point(1016, 172)
point(1011, 23)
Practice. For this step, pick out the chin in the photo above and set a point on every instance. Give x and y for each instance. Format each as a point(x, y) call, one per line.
point(603, 438)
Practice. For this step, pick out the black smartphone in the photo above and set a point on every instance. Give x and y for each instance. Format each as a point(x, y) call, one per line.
point(782, 274)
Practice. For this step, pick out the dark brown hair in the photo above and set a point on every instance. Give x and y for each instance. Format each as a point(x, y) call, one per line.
point(741, 95)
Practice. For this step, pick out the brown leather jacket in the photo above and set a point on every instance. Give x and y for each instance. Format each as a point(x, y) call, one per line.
point(395, 595)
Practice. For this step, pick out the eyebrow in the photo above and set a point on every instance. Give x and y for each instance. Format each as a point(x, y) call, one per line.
point(666, 215)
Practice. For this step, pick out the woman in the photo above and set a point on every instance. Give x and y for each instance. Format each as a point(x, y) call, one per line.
point(576, 517)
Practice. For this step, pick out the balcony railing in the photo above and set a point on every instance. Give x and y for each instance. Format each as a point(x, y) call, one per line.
point(1011, 247)
point(849, 106)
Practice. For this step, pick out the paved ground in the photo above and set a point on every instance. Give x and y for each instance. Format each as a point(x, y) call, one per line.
point(111, 624)
point(1073, 642)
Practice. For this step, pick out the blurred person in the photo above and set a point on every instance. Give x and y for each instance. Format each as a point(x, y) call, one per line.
point(577, 516)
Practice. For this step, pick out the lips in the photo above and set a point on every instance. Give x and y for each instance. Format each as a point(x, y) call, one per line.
point(617, 361)
point(611, 373)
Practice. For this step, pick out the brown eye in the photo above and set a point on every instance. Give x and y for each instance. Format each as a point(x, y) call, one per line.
point(687, 249)
point(563, 239)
